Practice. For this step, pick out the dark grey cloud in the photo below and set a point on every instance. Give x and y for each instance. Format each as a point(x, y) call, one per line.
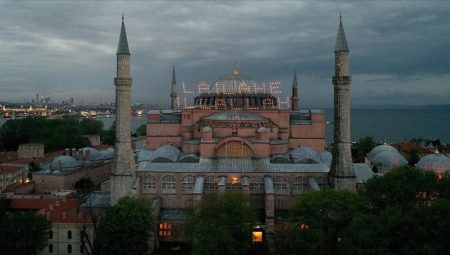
point(399, 49)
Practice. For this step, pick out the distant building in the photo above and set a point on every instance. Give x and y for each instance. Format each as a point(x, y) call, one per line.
point(65, 170)
point(10, 174)
point(31, 151)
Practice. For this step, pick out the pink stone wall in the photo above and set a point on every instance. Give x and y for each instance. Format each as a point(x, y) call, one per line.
point(316, 144)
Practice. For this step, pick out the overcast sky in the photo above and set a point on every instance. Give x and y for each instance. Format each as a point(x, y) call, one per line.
point(399, 50)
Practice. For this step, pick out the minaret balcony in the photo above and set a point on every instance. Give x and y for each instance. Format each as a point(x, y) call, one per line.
point(122, 81)
point(342, 79)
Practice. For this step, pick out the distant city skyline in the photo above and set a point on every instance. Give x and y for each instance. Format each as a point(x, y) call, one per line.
point(399, 50)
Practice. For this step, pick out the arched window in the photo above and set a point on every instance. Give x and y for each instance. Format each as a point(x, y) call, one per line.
point(278, 204)
point(188, 183)
point(299, 184)
point(210, 185)
point(69, 248)
point(280, 184)
point(149, 184)
point(50, 248)
point(169, 184)
point(188, 203)
point(256, 184)
point(69, 234)
point(50, 234)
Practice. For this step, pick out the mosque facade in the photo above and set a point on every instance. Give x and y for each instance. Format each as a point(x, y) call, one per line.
point(233, 140)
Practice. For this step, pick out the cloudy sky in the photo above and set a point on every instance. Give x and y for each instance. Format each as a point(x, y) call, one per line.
point(399, 50)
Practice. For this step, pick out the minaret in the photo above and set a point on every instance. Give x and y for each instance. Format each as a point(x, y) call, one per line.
point(342, 173)
point(173, 94)
point(123, 165)
point(294, 98)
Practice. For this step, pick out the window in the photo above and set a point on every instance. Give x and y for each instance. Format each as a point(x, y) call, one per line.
point(234, 149)
point(299, 184)
point(168, 203)
point(82, 248)
point(50, 248)
point(149, 184)
point(169, 184)
point(278, 204)
point(69, 234)
point(256, 184)
point(165, 229)
point(50, 234)
point(188, 183)
point(69, 248)
point(210, 185)
point(280, 184)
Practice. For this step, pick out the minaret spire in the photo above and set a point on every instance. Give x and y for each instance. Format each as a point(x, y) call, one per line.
point(294, 97)
point(124, 170)
point(173, 93)
point(342, 172)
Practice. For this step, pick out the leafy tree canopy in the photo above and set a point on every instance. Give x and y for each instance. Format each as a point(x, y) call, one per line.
point(84, 186)
point(222, 224)
point(55, 134)
point(91, 127)
point(365, 145)
point(24, 233)
point(126, 228)
point(142, 130)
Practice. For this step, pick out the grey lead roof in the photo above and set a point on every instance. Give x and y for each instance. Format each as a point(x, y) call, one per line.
point(341, 41)
point(123, 42)
point(232, 165)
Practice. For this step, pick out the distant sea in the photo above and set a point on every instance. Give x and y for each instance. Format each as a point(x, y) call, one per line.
point(393, 125)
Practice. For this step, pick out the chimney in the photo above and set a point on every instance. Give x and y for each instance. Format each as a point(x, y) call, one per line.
point(88, 155)
point(73, 153)
point(67, 151)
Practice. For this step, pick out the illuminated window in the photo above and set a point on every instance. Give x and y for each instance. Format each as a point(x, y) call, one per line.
point(169, 184)
point(149, 183)
point(188, 183)
point(165, 229)
point(257, 236)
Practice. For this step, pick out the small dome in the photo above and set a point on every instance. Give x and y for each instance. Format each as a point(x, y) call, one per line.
point(207, 129)
point(261, 130)
point(94, 154)
point(305, 155)
point(65, 163)
point(145, 155)
point(437, 163)
point(380, 148)
point(389, 159)
point(326, 157)
point(189, 158)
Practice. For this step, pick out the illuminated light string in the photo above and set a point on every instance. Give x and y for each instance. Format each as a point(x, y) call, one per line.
point(220, 88)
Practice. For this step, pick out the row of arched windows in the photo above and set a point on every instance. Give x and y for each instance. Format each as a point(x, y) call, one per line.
point(257, 186)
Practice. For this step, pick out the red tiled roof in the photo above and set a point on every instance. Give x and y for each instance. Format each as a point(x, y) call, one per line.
point(57, 210)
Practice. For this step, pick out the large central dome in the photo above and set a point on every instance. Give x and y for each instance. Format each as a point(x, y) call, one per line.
point(235, 92)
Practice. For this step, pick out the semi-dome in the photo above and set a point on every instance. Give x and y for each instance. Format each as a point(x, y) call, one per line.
point(389, 159)
point(166, 151)
point(326, 157)
point(189, 158)
point(280, 159)
point(380, 148)
point(207, 129)
point(305, 155)
point(437, 163)
point(65, 163)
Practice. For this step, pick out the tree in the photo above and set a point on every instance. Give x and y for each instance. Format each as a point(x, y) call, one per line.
point(109, 136)
point(403, 188)
point(91, 127)
point(365, 145)
point(222, 224)
point(413, 156)
point(84, 186)
point(127, 228)
point(318, 222)
point(142, 130)
point(24, 233)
